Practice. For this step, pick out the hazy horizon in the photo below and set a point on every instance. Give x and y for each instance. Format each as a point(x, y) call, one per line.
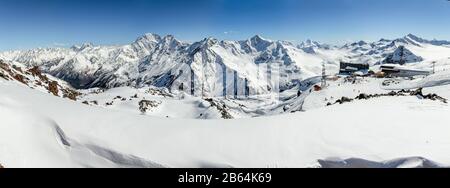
point(57, 45)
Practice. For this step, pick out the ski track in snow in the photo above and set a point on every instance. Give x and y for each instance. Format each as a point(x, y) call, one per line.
point(87, 155)
point(81, 152)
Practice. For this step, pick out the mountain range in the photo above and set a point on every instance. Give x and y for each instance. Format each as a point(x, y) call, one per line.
point(209, 66)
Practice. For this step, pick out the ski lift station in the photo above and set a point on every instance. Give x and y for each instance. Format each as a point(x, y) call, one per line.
point(350, 68)
point(401, 71)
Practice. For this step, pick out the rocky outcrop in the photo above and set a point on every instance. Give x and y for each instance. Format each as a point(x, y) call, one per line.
point(417, 92)
point(34, 78)
point(146, 105)
point(53, 88)
point(157, 91)
point(222, 108)
point(70, 93)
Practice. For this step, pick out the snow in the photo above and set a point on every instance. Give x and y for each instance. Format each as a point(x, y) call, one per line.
point(438, 79)
point(37, 128)
point(180, 106)
point(341, 88)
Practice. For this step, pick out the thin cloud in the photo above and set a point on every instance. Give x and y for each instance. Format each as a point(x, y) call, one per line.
point(229, 32)
point(57, 44)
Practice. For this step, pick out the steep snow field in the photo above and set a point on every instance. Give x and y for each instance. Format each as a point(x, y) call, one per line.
point(40, 130)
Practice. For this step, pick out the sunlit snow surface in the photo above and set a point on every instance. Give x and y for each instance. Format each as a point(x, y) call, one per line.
point(40, 130)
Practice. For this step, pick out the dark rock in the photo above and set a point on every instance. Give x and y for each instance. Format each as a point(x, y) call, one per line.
point(346, 99)
point(53, 88)
point(222, 108)
point(6, 77)
point(20, 78)
point(417, 92)
point(392, 93)
point(362, 96)
point(70, 94)
point(145, 105)
point(18, 69)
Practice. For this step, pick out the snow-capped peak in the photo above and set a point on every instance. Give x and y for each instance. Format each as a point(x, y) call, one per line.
point(413, 39)
point(149, 38)
point(169, 37)
point(401, 56)
point(201, 45)
point(384, 40)
point(75, 48)
point(358, 46)
point(171, 41)
point(433, 42)
point(418, 41)
point(259, 38)
point(412, 36)
point(85, 45)
point(359, 43)
point(208, 42)
point(309, 43)
point(258, 43)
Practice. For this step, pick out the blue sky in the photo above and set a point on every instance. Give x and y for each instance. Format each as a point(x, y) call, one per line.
point(43, 23)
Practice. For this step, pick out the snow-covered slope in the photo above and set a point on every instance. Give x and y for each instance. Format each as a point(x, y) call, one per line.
point(40, 130)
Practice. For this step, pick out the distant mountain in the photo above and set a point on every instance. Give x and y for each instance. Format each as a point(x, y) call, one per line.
point(410, 38)
point(401, 56)
point(308, 46)
point(209, 65)
point(168, 62)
